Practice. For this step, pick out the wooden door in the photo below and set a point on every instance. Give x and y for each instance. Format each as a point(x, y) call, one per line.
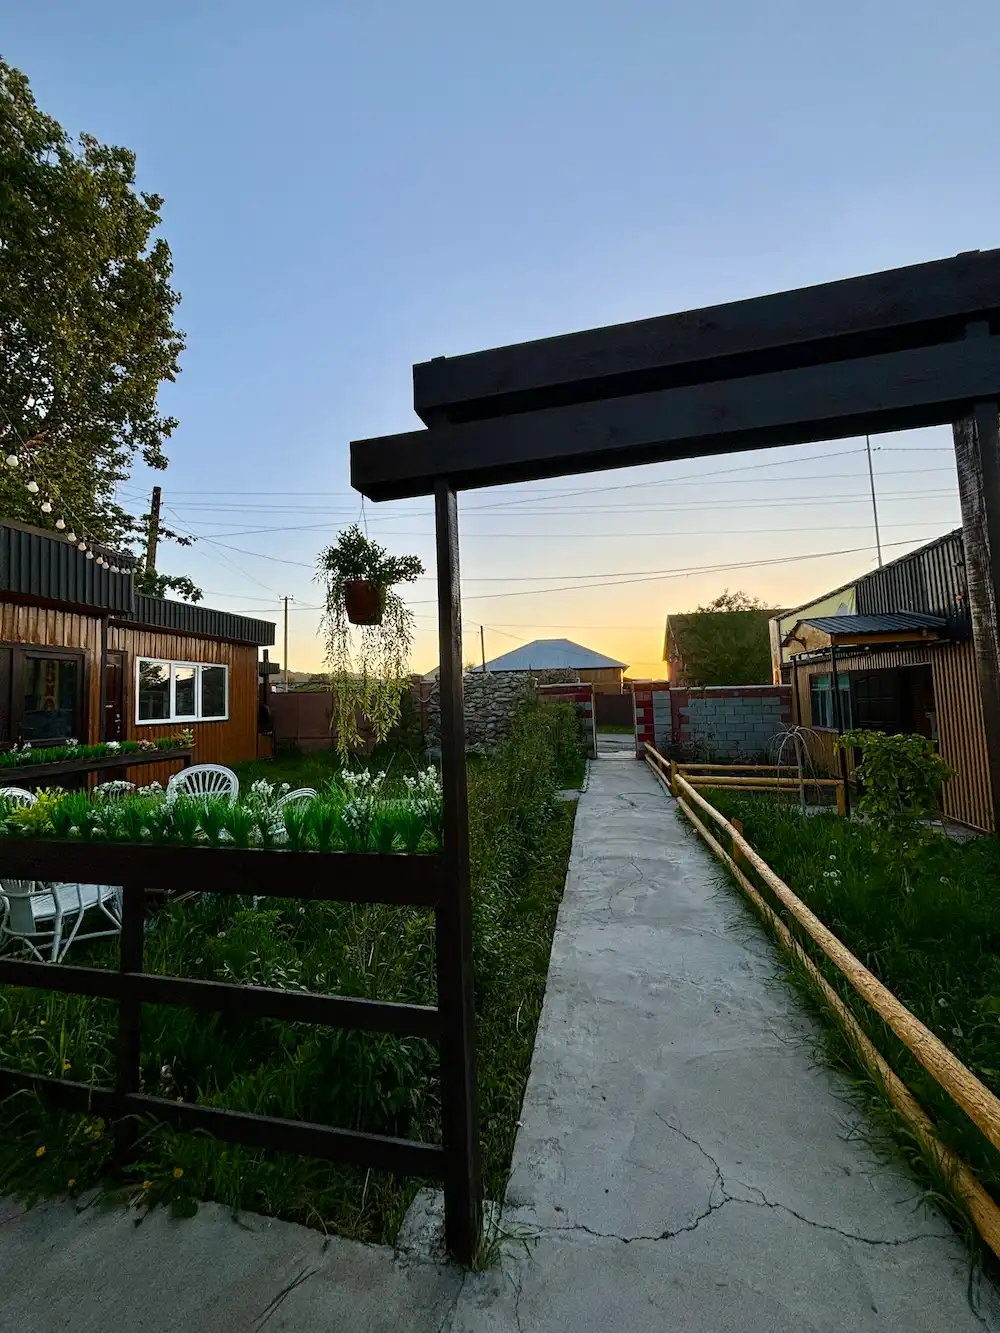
point(114, 697)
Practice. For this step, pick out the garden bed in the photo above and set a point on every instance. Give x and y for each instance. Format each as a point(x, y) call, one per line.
point(372, 1081)
point(928, 928)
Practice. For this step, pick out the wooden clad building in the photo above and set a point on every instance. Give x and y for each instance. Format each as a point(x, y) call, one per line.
point(82, 654)
point(901, 661)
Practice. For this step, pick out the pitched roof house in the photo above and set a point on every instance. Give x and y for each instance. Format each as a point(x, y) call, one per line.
point(604, 673)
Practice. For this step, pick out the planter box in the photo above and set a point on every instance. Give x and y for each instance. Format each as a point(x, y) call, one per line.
point(12, 774)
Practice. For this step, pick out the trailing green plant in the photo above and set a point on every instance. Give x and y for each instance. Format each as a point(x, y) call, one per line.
point(368, 664)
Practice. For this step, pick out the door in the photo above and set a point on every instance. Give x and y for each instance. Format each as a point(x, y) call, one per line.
point(114, 697)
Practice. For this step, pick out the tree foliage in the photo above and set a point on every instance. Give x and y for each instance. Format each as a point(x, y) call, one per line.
point(86, 320)
point(735, 601)
point(726, 642)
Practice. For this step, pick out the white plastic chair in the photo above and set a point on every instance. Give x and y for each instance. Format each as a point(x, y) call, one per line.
point(39, 914)
point(17, 796)
point(301, 794)
point(204, 780)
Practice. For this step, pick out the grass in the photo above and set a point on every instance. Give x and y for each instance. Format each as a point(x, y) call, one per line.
point(615, 729)
point(930, 932)
point(520, 837)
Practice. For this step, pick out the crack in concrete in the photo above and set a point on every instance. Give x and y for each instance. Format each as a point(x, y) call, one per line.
point(449, 1314)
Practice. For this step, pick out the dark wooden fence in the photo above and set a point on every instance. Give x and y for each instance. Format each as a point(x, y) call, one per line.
point(417, 881)
point(613, 710)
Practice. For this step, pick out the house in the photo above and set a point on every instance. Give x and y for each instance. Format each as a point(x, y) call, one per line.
point(604, 673)
point(83, 654)
point(900, 659)
point(718, 648)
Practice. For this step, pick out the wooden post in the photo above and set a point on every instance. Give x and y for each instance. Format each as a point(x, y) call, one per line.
point(673, 777)
point(977, 455)
point(153, 533)
point(842, 800)
point(838, 719)
point(130, 956)
point(459, 1099)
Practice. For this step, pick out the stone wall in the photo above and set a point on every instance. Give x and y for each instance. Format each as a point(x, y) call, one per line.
point(490, 703)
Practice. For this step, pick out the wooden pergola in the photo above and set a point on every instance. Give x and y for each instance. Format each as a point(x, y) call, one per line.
point(909, 347)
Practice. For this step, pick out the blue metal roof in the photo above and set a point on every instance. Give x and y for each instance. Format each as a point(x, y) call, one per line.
point(879, 624)
point(551, 655)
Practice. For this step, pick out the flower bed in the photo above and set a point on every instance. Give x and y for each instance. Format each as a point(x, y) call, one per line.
point(350, 815)
point(25, 756)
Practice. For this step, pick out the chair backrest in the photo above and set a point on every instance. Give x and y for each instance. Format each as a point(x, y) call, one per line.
point(301, 794)
point(17, 796)
point(18, 892)
point(205, 780)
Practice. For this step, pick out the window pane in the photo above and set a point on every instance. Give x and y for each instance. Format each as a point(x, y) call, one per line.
point(184, 699)
point(213, 691)
point(154, 691)
point(50, 690)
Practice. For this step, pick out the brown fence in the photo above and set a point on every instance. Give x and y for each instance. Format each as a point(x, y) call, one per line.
point(613, 710)
point(418, 881)
point(302, 718)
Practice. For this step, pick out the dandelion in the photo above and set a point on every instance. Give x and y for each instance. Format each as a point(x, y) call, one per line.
point(40, 1152)
point(147, 1184)
point(66, 1066)
point(178, 1172)
point(71, 1183)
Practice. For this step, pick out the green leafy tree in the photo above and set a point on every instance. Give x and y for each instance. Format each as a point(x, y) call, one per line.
point(735, 601)
point(86, 321)
point(726, 642)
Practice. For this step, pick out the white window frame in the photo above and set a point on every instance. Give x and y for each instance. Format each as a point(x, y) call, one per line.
point(172, 668)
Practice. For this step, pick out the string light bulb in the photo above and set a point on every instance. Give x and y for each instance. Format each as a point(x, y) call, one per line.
point(60, 522)
point(33, 487)
point(13, 461)
point(46, 508)
point(82, 546)
point(90, 555)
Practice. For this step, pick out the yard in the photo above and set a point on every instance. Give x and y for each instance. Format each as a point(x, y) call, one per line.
point(520, 838)
point(927, 925)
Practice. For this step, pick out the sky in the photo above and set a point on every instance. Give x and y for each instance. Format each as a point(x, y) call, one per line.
point(355, 185)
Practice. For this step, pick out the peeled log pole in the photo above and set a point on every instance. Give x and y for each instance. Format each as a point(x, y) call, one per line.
point(975, 1099)
point(982, 1209)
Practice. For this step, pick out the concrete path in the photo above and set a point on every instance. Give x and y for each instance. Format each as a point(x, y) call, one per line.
point(684, 1164)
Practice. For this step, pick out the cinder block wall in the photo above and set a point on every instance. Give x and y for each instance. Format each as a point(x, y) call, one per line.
point(726, 724)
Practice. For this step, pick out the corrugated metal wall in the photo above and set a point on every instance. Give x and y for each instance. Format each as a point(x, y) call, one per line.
point(186, 618)
point(930, 581)
point(228, 742)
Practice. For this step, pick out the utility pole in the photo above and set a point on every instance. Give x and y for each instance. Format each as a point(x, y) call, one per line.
point(153, 535)
point(871, 478)
point(286, 601)
point(482, 645)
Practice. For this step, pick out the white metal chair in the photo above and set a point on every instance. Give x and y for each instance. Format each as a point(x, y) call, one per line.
point(17, 796)
point(300, 795)
point(42, 914)
point(204, 780)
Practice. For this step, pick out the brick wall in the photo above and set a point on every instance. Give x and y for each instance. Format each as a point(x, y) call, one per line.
point(582, 698)
point(650, 697)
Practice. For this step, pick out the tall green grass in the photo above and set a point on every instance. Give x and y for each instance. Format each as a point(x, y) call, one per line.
point(520, 838)
point(928, 928)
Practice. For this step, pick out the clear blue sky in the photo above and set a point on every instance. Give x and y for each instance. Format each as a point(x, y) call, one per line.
point(354, 186)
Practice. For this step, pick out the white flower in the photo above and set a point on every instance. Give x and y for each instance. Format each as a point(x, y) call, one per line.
point(72, 743)
point(285, 786)
point(225, 835)
point(113, 746)
point(74, 831)
point(943, 1002)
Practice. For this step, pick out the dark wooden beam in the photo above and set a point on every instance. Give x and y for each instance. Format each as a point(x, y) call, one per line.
point(977, 454)
point(878, 312)
point(896, 391)
point(456, 999)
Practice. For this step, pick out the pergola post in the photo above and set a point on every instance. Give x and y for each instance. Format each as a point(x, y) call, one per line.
point(456, 1001)
point(977, 455)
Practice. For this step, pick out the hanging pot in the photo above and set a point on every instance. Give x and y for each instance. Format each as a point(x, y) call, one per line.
point(364, 601)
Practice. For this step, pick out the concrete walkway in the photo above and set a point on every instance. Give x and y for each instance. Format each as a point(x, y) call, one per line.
point(684, 1164)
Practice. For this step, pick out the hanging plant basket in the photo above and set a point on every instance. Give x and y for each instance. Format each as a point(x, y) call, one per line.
point(364, 601)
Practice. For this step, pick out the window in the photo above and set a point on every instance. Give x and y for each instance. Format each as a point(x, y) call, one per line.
point(824, 713)
point(181, 692)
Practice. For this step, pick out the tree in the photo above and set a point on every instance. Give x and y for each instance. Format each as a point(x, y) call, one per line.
point(86, 322)
point(735, 601)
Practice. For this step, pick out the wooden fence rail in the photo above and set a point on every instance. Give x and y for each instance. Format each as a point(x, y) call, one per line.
point(965, 1089)
point(419, 881)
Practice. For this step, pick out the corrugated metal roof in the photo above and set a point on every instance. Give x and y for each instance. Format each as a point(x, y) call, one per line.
point(878, 624)
point(187, 618)
point(551, 655)
point(35, 563)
